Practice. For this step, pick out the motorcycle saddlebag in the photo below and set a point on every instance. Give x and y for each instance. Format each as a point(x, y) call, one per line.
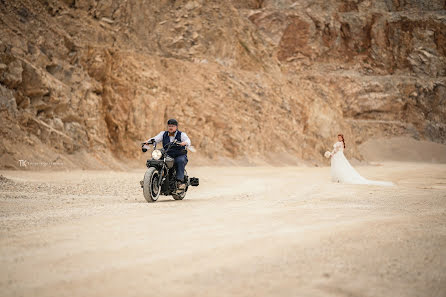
point(194, 181)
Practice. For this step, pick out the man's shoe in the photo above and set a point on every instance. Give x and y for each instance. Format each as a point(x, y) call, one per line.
point(181, 185)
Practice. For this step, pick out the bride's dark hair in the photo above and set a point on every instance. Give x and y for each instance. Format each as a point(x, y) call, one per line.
point(342, 139)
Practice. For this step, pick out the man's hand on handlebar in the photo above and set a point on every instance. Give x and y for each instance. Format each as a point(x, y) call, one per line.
point(150, 141)
point(179, 143)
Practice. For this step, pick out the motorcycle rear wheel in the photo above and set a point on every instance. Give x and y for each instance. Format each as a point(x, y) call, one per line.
point(151, 189)
point(183, 194)
point(179, 196)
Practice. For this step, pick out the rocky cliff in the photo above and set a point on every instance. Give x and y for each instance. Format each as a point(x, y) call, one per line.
point(86, 81)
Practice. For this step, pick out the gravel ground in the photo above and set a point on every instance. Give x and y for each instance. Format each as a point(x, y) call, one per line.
point(258, 231)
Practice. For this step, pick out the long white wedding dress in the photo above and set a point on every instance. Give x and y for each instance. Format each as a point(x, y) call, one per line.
point(343, 172)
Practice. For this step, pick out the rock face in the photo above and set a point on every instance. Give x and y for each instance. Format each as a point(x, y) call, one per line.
point(272, 80)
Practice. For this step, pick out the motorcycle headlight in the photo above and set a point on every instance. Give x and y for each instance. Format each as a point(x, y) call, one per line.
point(156, 154)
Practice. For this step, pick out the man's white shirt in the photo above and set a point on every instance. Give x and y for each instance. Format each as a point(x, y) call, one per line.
point(184, 138)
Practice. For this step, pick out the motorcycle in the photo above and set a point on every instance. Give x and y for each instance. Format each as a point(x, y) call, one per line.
point(160, 177)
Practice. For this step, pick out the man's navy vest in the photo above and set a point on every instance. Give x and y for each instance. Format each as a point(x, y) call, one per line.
point(175, 150)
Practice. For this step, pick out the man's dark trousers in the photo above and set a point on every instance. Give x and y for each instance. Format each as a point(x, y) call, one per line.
point(180, 163)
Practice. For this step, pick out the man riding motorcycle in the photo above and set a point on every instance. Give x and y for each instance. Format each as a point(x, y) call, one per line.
point(179, 153)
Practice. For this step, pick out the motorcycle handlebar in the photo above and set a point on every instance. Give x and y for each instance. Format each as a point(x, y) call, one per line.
point(151, 141)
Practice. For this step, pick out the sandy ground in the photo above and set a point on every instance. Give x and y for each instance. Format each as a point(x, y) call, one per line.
point(243, 232)
point(403, 149)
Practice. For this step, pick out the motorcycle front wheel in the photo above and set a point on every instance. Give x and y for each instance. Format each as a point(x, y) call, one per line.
point(151, 188)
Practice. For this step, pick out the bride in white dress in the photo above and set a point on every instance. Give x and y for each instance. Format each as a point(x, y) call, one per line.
point(343, 172)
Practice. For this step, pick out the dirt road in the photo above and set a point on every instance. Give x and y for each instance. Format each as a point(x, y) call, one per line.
point(243, 232)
